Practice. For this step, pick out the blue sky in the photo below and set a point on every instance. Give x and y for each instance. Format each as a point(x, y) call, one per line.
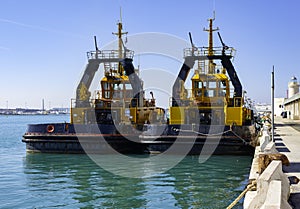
point(43, 44)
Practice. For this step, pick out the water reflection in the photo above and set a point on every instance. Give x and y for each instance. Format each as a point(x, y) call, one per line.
point(213, 184)
point(75, 181)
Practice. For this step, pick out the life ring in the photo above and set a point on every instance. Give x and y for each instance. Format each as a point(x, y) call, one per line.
point(50, 128)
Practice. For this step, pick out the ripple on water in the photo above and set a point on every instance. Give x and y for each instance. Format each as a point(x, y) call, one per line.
point(74, 181)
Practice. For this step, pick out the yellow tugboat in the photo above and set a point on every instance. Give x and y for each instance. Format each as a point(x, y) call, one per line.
point(209, 119)
point(114, 117)
point(210, 112)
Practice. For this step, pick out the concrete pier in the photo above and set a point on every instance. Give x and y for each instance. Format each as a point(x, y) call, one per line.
point(287, 141)
point(277, 180)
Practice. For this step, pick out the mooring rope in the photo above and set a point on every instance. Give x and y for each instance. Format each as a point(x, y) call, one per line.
point(216, 134)
point(203, 134)
point(249, 187)
point(245, 142)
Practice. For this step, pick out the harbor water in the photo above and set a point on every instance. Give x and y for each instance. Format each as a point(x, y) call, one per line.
point(75, 181)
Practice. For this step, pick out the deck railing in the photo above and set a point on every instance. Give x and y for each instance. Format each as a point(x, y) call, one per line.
point(204, 51)
point(108, 54)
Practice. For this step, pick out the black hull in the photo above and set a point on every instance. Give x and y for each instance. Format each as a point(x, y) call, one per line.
point(88, 139)
point(205, 139)
point(92, 144)
point(203, 147)
point(66, 144)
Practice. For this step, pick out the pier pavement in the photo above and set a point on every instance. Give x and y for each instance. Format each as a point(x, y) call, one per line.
point(287, 141)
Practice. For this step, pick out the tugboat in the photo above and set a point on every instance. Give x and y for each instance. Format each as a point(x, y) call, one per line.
point(209, 119)
point(109, 121)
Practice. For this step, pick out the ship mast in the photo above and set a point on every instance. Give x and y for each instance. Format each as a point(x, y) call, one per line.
point(119, 34)
point(210, 31)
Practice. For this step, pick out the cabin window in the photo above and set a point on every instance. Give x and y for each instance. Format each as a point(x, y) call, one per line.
point(128, 90)
point(106, 90)
point(212, 84)
point(222, 92)
point(118, 91)
point(210, 91)
point(128, 86)
point(197, 88)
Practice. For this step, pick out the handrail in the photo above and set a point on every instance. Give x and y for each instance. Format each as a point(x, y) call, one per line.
point(108, 54)
point(203, 51)
point(238, 102)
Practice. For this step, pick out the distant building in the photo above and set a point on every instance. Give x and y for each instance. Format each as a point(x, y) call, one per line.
point(278, 106)
point(263, 108)
point(292, 103)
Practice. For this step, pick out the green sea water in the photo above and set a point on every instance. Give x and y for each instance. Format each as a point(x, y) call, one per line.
point(75, 181)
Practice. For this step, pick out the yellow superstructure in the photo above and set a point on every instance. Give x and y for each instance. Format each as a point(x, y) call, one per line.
point(120, 99)
point(211, 100)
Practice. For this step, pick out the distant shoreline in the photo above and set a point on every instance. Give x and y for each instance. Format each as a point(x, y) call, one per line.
point(2, 114)
point(26, 111)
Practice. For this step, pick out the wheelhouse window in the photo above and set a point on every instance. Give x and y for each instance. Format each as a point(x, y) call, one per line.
point(118, 90)
point(128, 91)
point(106, 88)
point(197, 88)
